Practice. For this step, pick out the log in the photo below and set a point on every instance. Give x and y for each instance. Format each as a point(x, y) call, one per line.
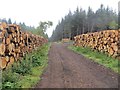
point(12, 59)
point(3, 63)
point(2, 49)
point(4, 25)
point(114, 46)
point(8, 41)
point(11, 47)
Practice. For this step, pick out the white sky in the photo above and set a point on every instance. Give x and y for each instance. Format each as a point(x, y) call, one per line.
point(33, 11)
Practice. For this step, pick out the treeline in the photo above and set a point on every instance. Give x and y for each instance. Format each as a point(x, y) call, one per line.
point(22, 24)
point(42, 28)
point(39, 30)
point(118, 19)
point(82, 21)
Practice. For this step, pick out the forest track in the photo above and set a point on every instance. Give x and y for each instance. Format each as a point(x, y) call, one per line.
point(67, 69)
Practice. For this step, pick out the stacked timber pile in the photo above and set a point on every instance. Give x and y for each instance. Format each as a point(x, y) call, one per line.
point(107, 41)
point(14, 43)
point(66, 40)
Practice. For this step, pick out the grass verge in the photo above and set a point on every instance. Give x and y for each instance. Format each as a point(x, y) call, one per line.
point(26, 73)
point(98, 57)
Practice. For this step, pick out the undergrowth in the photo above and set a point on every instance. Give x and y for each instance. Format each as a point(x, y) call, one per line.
point(26, 72)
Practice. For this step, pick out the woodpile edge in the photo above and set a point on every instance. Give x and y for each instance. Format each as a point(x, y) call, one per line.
point(107, 41)
point(14, 43)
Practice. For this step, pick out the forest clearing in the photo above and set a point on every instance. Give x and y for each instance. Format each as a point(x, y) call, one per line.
point(82, 52)
point(64, 68)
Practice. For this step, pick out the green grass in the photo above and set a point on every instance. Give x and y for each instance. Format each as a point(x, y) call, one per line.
point(31, 80)
point(98, 57)
point(27, 73)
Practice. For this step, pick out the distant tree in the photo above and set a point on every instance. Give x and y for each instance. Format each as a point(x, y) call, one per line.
point(41, 29)
point(119, 20)
point(14, 22)
point(45, 25)
point(81, 22)
point(4, 20)
point(119, 14)
point(113, 25)
point(9, 21)
point(90, 20)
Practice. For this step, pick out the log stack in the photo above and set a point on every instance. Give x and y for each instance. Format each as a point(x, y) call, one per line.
point(65, 40)
point(14, 43)
point(107, 41)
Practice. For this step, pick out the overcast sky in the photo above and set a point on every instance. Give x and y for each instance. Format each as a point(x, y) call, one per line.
point(33, 11)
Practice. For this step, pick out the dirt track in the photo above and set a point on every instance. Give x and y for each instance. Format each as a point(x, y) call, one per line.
point(67, 69)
